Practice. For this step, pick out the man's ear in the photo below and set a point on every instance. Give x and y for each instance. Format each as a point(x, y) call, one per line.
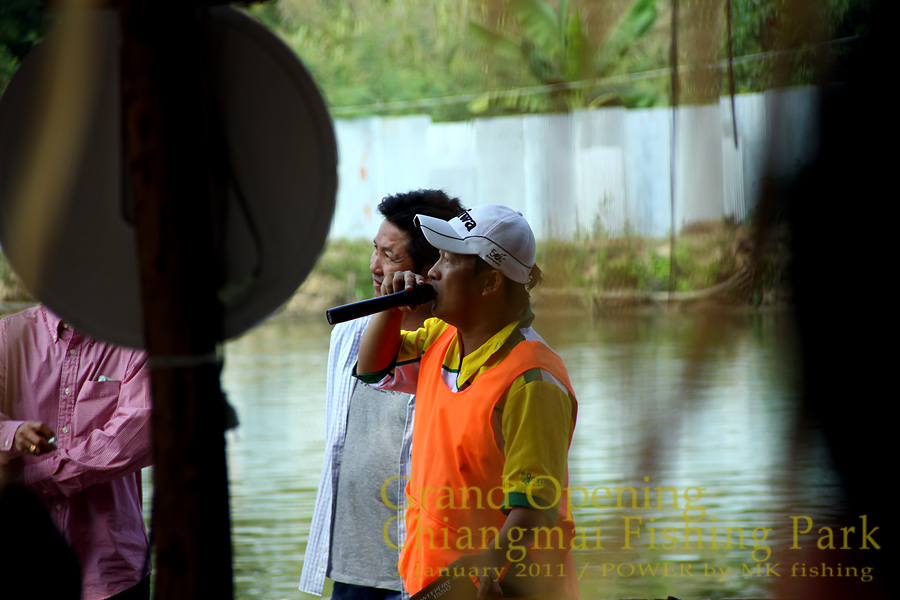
point(493, 282)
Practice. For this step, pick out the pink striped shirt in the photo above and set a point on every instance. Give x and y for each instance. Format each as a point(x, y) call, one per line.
point(96, 398)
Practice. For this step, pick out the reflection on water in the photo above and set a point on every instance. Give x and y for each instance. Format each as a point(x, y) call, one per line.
point(685, 466)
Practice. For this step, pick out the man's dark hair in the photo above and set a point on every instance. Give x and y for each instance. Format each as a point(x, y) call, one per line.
point(400, 209)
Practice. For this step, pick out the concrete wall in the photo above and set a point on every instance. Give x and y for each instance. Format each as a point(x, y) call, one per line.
point(605, 171)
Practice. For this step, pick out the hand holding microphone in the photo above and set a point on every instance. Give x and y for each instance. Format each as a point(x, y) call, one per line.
point(419, 294)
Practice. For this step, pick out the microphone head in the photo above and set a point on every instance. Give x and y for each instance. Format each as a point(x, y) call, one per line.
point(423, 293)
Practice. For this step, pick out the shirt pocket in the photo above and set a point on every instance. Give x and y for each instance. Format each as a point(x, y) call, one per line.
point(95, 406)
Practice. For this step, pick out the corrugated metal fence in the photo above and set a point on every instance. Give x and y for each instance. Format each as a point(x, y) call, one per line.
point(598, 172)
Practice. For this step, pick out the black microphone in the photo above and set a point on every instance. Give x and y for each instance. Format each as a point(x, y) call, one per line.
point(420, 294)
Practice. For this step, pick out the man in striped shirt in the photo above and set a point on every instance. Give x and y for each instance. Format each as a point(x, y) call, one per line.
point(357, 527)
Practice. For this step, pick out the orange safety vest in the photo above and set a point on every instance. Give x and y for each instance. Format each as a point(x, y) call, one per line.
point(456, 493)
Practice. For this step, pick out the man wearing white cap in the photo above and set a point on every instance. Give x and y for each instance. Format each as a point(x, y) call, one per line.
point(495, 414)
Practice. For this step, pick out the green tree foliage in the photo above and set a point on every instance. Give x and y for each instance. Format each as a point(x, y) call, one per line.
point(793, 43)
point(410, 56)
point(21, 27)
point(556, 50)
point(368, 52)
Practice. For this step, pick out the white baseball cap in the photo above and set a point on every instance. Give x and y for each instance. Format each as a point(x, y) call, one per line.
point(498, 234)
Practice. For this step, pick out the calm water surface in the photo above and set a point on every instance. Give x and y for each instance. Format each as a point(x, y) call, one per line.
point(680, 417)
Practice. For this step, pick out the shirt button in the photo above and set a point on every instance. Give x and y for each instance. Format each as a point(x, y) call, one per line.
point(45, 491)
point(59, 507)
point(65, 430)
point(71, 351)
point(68, 391)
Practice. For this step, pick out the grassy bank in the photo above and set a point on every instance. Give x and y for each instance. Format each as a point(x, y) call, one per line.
point(713, 262)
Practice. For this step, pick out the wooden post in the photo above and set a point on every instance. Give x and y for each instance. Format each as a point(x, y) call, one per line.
point(177, 189)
